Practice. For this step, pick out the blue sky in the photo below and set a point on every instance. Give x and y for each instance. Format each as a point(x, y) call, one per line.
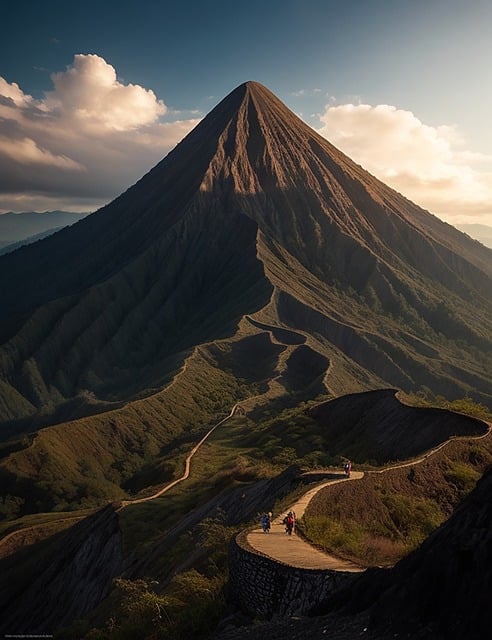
point(93, 94)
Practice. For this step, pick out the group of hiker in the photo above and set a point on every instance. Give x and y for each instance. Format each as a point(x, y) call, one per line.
point(289, 520)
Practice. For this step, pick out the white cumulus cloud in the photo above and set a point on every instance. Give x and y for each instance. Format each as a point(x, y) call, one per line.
point(84, 142)
point(429, 165)
point(89, 92)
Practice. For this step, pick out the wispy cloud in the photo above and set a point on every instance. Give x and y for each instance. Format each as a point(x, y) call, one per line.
point(429, 165)
point(84, 142)
point(303, 93)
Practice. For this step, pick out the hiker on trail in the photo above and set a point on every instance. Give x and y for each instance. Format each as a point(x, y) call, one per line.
point(290, 522)
point(265, 522)
point(348, 468)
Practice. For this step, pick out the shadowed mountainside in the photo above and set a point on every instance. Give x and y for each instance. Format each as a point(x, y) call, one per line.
point(442, 590)
point(453, 569)
point(377, 426)
point(72, 574)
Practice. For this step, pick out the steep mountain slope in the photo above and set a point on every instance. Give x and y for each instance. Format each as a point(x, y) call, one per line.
point(72, 572)
point(252, 214)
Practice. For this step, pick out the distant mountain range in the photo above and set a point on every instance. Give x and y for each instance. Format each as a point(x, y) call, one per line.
point(18, 229)
point(481, 232)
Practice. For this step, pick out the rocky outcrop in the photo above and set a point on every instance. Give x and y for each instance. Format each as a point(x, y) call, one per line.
point(48, 585)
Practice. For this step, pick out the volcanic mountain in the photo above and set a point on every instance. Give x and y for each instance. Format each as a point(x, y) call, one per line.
point(254, 248)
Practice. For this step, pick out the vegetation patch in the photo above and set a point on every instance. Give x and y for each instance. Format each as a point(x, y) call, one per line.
point(379, 519)
point(189, 604)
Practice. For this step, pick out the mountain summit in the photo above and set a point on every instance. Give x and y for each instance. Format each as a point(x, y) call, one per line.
point(262, 246)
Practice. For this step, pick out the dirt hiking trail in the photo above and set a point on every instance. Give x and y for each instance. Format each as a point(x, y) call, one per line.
point(293, 550)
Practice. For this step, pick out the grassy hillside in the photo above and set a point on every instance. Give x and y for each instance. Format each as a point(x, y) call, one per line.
point(109, 456)
point(173, 550)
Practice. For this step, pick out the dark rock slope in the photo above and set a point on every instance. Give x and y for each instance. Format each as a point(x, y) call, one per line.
point(376, 425)
point(46, 586)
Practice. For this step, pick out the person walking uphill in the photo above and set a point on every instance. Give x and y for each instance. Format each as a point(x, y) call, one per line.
point(265, 522)
point(290, 522)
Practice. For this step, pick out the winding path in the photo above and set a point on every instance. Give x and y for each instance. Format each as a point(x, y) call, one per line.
point(7, 544)
point(293, 550)
point(167, 487)
point(296, 552)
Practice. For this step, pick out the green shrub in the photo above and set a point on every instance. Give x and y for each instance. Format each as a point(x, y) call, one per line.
point(345, 538)
point(189, 607)
point(463, 476)
point(414, 518)
point(407, 523)
point(469, 407)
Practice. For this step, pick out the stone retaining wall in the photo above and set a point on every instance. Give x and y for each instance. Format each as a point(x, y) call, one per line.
point(265, 588)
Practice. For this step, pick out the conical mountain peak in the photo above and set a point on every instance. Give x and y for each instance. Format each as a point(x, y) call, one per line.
point(253, 213)
point(261, 143)
point(260, 95)
point(251, 90)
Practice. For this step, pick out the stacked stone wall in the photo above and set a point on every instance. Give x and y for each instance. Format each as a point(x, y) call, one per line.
point(265, 588)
